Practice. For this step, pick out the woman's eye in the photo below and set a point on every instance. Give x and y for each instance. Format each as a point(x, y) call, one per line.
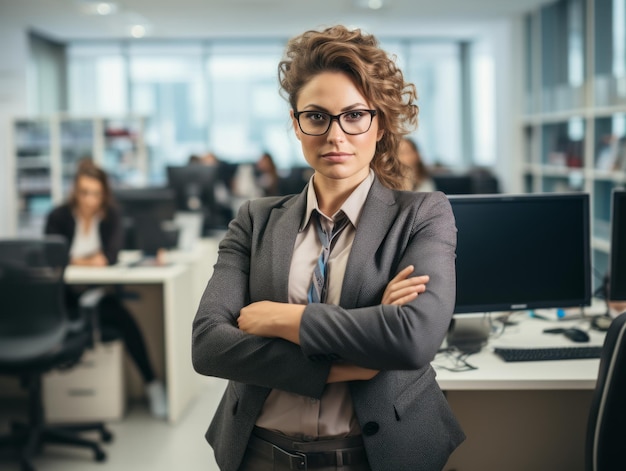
point(316, 117)
point(354, 115)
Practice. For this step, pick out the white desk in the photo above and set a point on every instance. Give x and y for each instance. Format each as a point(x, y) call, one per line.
point(493, 373)
point(522, 415)
point(182, 282)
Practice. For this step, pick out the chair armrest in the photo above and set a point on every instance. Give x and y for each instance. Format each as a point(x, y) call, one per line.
point(88, 304)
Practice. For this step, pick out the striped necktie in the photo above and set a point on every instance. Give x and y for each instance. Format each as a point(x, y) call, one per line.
point(317, 290)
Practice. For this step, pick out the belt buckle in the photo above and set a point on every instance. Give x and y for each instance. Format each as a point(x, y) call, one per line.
point(295, 460)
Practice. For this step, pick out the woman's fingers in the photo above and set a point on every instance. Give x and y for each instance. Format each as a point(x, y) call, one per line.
point(403, 295)
point(402, 289)
point(403, 274)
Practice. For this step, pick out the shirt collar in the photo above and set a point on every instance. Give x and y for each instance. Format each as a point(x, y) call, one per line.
point(351, 207)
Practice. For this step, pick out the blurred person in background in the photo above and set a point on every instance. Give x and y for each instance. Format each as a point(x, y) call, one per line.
point(267, 175)
point(91, 223)
point(417, 175)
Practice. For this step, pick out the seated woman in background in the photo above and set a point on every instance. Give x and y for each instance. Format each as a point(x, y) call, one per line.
point(92, 225)
point(267, 175)
point(417, 175)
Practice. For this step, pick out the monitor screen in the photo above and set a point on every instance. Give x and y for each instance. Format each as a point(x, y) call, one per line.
point(522, 252)
point(617, 282)
point(146, 213)
point(194, 186)
point(453, 184)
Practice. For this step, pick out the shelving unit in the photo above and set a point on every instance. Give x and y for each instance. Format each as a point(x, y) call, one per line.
point(46, 150)
point(574, 126)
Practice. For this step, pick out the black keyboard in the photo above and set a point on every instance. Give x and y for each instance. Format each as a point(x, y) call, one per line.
point(548, 353)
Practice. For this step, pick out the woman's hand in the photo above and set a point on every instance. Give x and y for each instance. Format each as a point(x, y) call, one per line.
point(271, 319)
point(95, 260)
point(340, 372)
point(402, 289)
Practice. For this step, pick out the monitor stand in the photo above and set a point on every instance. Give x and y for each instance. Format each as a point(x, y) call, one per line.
point(468, 333)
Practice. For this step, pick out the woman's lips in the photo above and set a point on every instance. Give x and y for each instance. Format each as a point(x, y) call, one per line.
point(336, 156)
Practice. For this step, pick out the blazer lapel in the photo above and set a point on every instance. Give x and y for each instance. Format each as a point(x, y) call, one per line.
point(374, 223)
point(282, 229)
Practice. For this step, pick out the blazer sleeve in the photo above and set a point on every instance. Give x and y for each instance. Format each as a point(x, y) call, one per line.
point(220, 348)
point(387, 337)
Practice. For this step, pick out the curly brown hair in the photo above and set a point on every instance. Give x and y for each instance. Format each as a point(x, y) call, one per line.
point(374, 73)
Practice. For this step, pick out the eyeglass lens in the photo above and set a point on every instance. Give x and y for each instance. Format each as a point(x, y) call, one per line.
point(317, 123)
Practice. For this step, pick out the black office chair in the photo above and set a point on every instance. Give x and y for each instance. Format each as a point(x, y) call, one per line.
point(36, 336)
point(606, 428)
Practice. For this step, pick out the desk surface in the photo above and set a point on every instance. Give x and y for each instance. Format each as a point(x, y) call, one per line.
point(123, 272)
point(493, 373)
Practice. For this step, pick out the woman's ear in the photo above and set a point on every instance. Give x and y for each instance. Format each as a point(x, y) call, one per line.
point(294, 123)
point(379, 136)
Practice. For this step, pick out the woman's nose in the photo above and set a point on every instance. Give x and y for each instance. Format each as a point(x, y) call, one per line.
point(335, 133)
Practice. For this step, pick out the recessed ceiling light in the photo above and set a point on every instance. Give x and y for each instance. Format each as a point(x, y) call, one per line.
point(138, 31)
point(104, 8)
point(369, 4)
point(91, 7)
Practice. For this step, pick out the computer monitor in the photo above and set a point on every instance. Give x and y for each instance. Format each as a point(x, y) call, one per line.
point(194, 186)
point(617, 264)
point(452, 184)
point(294, 180)
point(147, 214)
point(517, 252)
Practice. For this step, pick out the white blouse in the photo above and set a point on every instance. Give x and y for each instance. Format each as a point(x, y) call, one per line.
point(86, 243)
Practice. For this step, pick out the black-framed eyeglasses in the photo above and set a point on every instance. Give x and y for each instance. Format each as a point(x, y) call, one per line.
point(317, 123)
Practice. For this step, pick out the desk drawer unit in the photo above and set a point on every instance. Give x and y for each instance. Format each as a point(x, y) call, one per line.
point(92, 390)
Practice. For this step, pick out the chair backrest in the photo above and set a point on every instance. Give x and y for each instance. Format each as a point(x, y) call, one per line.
point(606, 428)
point(32, 297)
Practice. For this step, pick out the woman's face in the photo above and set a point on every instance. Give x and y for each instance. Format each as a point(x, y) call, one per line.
point(89, 195)
point(336, 155)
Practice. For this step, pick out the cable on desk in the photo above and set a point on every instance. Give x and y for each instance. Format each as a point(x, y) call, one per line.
point(456, 357)
point(503, 321)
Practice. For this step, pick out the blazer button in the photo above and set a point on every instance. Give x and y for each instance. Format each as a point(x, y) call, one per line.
point(370, 428)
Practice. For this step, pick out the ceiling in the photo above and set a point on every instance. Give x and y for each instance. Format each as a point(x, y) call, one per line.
point(66, 19)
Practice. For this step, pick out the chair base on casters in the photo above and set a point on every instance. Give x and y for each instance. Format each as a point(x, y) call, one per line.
point(29, 439)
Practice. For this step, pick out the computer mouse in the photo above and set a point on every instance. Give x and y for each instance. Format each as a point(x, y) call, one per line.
point(576, 335)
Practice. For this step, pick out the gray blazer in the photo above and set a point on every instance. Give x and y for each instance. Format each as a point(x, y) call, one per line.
point(404, 416)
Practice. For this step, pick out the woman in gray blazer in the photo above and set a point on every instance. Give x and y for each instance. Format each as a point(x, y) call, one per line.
point(326, 308)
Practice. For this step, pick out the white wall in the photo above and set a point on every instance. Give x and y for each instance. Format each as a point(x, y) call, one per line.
point(13, 101)
point(510, 97)
point(505, 39)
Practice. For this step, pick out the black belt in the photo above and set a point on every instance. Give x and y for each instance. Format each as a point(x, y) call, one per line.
point(307, 455)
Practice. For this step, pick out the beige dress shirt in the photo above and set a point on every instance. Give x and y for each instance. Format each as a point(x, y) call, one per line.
point(333, 415)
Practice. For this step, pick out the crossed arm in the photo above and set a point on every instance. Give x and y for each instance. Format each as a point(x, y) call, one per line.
point(271, 319)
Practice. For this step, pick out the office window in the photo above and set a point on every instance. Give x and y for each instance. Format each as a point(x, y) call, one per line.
point(223, 96)
point(97, 79)
point(249, 114)
point(435, 69)
point(167, 84)
point(483, 109)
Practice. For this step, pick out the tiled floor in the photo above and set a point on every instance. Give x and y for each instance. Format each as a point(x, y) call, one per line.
point(141, 442)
